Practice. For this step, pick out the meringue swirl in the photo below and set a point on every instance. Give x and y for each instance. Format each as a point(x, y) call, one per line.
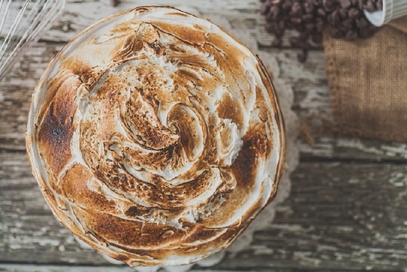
point(156, 137)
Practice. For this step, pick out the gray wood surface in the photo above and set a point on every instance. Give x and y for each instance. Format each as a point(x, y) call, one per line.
point(63, 268)
point(347, 208)
point(344, 215)
point(308, 81)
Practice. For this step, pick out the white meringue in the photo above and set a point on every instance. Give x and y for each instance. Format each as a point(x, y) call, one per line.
point(156, 137)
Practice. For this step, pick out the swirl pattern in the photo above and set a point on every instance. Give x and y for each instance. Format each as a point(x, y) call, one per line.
point(156, 137)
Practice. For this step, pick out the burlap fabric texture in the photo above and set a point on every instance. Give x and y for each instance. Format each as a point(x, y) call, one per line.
point(368, 83)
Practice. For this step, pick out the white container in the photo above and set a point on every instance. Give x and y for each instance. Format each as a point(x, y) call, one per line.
point(392, 9)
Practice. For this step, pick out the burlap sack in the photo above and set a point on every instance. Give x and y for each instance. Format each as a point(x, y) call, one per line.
point(368, 83)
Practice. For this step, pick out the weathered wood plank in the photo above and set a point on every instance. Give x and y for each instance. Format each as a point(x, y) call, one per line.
point(308, 81)
point(312, 97)
point(15, 94)
point(242, 15)
point(54, 268)
point(64, 268)
point(80, 14)
point(339, 216)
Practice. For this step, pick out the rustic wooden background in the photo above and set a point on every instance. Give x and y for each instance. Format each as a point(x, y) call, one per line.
point(347, 208)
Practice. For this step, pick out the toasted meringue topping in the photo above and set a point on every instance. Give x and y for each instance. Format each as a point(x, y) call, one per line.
point(156, 137)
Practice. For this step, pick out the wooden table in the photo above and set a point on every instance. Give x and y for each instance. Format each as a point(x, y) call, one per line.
point(347, 208)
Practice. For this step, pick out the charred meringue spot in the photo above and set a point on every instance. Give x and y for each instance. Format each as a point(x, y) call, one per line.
point(145, 35)
point(78, 67)
point(158, 48)
point(229, 109)
point(141, 119)
point(245, 165)
point(189, 126)
point(156, 137)
point(127, 233)
point(56, 128)
point(77, 187)
point(135, 211)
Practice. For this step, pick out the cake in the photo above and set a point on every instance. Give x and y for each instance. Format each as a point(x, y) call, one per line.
point(156, 137)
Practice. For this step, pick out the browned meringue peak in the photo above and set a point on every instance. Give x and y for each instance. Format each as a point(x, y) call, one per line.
point(156, 137)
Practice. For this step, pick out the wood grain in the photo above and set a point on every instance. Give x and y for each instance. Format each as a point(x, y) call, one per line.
point(15, 94)
point(61, 268)
point(312, 97)
point(346, 210)
point(339, 215)
point(308, 81)
point(242, 14)
point(343, 216)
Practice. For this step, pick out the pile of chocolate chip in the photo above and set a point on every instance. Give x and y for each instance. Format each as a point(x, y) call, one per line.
point(114, 3)
point(345, 19)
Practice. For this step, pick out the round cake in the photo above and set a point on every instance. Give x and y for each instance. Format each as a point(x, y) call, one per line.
point(156, 137)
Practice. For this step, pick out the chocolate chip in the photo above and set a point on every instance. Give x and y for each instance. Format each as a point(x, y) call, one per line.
point(351, 35)
point(334, 18)
point(345, 4)
point(114, 3)
point(354, 3)
point(379, 5)
point(265, 8)
point(309, 7)
point(343, 13)
point(361, 4)
point(329, 5)
point(287, 5)
point(277, 42)
point(354, 13)
point(337, 33)
point(320, 24)
point(296, 10)
point(302, 57)
point(362, 22)
point(305, 45)
point(279, 32)
point(321, 12)
point(300, 27)
point(347, 24)
point(304, 36)
point(273, 13)
point(370, 6)
point(309, 28)
point(317, 38)
point(289, 24)
point(294, 41)
point(309, 18)
point(364, 33)
point(316, 2)
point(270, 28)
point(296, 20)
